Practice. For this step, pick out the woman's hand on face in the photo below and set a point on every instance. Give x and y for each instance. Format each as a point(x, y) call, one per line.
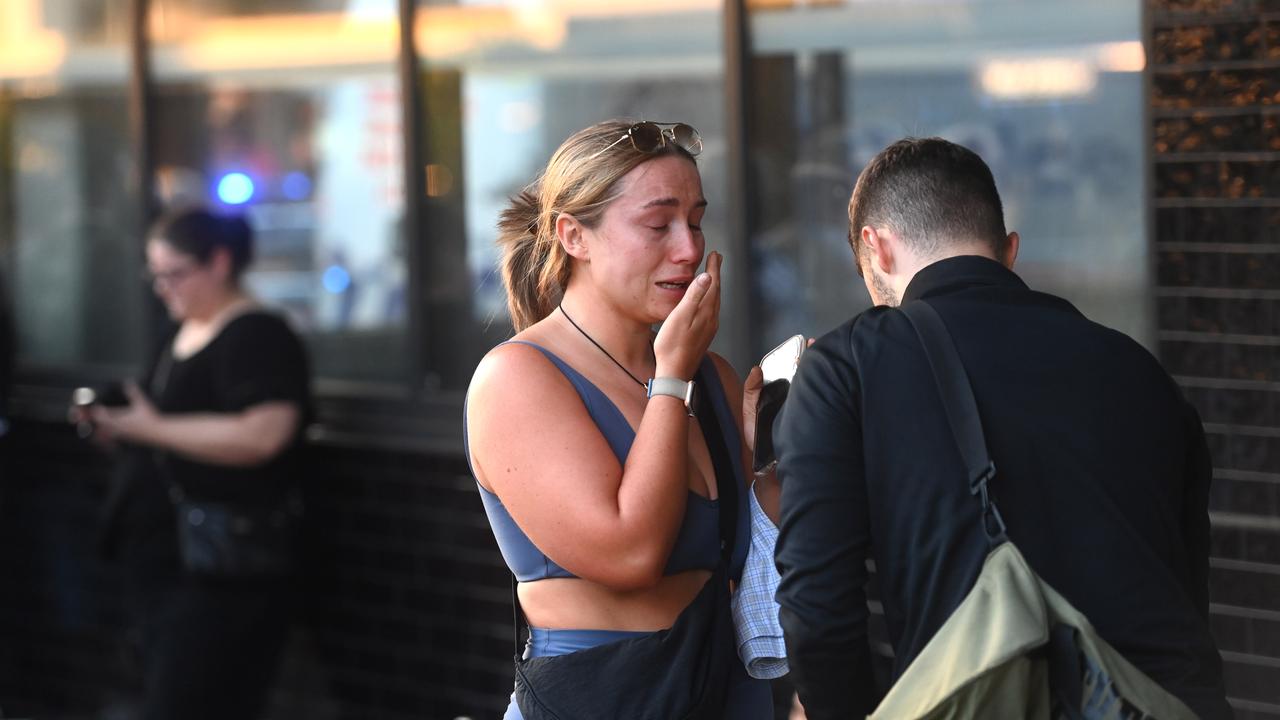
point(689, 329)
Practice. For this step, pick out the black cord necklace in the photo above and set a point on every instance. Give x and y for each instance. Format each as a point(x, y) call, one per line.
point(600, 347)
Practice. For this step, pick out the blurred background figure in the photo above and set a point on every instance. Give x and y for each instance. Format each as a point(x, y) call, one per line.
point(205, 504)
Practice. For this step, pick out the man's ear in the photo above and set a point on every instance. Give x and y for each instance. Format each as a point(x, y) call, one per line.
point(571, 235)
point(879, 247)
point(1010, 250)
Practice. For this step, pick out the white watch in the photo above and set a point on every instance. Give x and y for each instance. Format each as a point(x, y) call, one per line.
point(674, 387)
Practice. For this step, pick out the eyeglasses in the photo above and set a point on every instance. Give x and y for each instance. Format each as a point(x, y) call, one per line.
point(167, 277)
point(649, 137)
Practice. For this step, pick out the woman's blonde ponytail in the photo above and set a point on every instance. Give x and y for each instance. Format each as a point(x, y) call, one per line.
point(534, 266)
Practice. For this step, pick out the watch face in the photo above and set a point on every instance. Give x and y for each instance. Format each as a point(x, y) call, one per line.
point(694, 404)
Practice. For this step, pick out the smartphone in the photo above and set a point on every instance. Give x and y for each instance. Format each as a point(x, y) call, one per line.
point(111, 395)
point(778, 367)
point(84, 398)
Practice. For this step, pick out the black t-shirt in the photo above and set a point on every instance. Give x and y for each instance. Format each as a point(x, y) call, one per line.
point(256, 358)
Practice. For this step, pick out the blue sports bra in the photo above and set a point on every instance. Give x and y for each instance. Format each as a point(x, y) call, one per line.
point(698, 543)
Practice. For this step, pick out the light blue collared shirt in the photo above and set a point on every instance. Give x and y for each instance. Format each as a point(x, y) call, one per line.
point(755, 612)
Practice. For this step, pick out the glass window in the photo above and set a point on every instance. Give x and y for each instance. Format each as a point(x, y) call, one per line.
point(69, 226)
point(504, 82)
point(1049, 93)
point(290, 112)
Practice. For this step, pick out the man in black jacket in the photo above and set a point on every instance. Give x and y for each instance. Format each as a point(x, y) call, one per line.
point(1102, 468)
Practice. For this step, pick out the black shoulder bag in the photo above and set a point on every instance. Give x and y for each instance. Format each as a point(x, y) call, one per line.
point(681, 673)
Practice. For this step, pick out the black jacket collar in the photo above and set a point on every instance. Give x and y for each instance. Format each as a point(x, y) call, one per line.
point(959, 272)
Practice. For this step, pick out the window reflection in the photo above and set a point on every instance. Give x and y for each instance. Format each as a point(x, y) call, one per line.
point(1050, 95)
point(504, 83)
point(68, 224)
point(290, 112)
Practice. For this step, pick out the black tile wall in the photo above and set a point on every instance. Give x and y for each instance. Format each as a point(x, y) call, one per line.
point(1203, 132)
point(1229, 87)
point(1236, 270)
point(1227, 179)
point(1229, 225)
point(1200, 43)
point(1253, 635)
point(1216, 148)
point(1248, 679)
point(1247, 316)
point(1236, 407)
point(404, 606)
point(1219, 6)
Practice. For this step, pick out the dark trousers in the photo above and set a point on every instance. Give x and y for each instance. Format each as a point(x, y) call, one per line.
point(211, 647)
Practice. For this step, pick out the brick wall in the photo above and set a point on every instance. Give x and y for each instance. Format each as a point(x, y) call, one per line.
point(1215, 113)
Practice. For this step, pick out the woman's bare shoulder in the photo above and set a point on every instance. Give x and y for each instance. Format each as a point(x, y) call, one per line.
point(514, 369)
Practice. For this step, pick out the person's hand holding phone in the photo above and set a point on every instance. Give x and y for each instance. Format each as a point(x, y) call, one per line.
point(101, 414)
point(763, 393)
point(131, 421)
point(780, 363)
point(82, 400)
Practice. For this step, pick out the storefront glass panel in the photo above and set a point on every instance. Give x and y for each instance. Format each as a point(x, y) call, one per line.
point(289, 111)
point(503, 84)
point(1050, 94)
point(69, 226)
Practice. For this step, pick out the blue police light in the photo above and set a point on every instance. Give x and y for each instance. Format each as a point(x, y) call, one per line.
point(336, 279)
point(235, 188)
point(296, 186)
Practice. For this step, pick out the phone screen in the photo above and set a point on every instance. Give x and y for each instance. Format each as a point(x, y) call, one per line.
point(778, 367)
point(780, 362)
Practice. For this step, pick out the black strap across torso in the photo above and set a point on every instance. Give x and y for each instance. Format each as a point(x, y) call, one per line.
point(961, 409)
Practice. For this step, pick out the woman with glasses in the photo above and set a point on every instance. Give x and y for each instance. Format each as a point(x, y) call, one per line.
point(588, 436)
point(213, 433)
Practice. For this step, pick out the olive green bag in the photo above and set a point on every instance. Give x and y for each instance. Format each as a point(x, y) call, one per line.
point(1014, 648)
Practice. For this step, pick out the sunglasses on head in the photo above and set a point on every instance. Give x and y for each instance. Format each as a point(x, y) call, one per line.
point(648, 137)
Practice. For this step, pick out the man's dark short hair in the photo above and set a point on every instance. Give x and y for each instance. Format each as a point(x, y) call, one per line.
point(932, 193)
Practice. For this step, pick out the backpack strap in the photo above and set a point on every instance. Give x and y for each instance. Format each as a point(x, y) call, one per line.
point(961, 409)
point(722, 464)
